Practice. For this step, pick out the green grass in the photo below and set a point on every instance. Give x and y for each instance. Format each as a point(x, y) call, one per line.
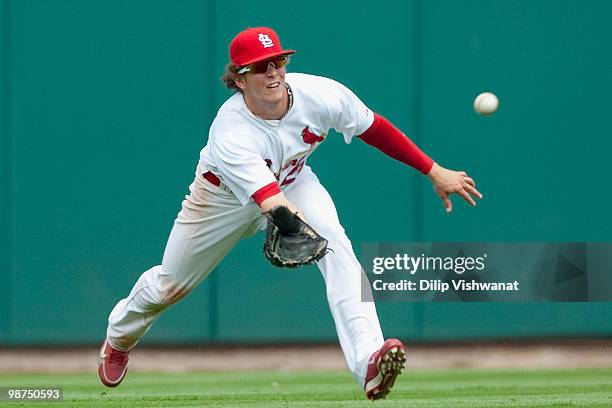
point(444, 388)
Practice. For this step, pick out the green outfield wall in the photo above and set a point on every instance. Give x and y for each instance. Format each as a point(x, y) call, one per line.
point(105, 106)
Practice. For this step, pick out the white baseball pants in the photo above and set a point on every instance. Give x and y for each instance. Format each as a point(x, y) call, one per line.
point(202, 236)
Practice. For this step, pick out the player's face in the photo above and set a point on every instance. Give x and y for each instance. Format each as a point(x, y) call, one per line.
point(265, 89)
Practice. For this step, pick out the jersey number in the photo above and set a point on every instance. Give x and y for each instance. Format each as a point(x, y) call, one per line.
point(298, 165)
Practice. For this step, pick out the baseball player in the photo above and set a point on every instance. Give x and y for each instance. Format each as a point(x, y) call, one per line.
point(254, 162)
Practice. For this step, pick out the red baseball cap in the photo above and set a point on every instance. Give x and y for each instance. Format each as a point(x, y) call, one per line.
point(255, 44)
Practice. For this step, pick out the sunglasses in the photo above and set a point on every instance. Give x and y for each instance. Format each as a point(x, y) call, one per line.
point(261, 67)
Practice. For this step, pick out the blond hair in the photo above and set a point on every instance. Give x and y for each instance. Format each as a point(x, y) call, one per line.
point(229, 77)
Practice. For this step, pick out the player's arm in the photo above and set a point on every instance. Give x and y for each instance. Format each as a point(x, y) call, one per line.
point(270, 196)
point(391, 141)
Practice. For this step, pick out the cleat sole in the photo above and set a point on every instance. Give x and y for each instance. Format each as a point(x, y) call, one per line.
point(390, 364)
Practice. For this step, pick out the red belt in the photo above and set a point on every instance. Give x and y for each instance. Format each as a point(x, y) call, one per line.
point(211, 178)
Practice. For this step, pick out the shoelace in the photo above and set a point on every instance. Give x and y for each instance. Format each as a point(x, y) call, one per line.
point(117, 357)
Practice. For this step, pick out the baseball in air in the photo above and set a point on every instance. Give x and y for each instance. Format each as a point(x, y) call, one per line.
point(486, 103)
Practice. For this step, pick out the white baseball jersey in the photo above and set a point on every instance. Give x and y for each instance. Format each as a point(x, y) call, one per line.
point(247, 152)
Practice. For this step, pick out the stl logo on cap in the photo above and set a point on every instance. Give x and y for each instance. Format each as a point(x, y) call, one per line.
point(265, 40)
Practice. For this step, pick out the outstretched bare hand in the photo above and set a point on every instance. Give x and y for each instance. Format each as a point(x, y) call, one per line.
point(447, 182)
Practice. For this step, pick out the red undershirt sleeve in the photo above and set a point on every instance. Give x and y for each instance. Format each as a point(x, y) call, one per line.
point(392, 142)
point(266, 192)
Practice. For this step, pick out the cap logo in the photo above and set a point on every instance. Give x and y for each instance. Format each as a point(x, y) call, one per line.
point(265, 40)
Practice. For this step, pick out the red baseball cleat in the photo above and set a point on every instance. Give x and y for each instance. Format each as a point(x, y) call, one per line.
point(112, 365)
point(383, 368)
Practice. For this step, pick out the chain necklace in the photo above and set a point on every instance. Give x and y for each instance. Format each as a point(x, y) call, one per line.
point(290, 93)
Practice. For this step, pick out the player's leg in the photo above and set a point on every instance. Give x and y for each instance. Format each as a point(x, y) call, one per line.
point(356, 322)
point(195, 246)
point(202, 235)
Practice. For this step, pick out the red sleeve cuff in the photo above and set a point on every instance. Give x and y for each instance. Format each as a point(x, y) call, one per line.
point(266, 192)
point(392, 142)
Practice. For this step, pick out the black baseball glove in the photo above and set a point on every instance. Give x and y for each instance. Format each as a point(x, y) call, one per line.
point(290, 242)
